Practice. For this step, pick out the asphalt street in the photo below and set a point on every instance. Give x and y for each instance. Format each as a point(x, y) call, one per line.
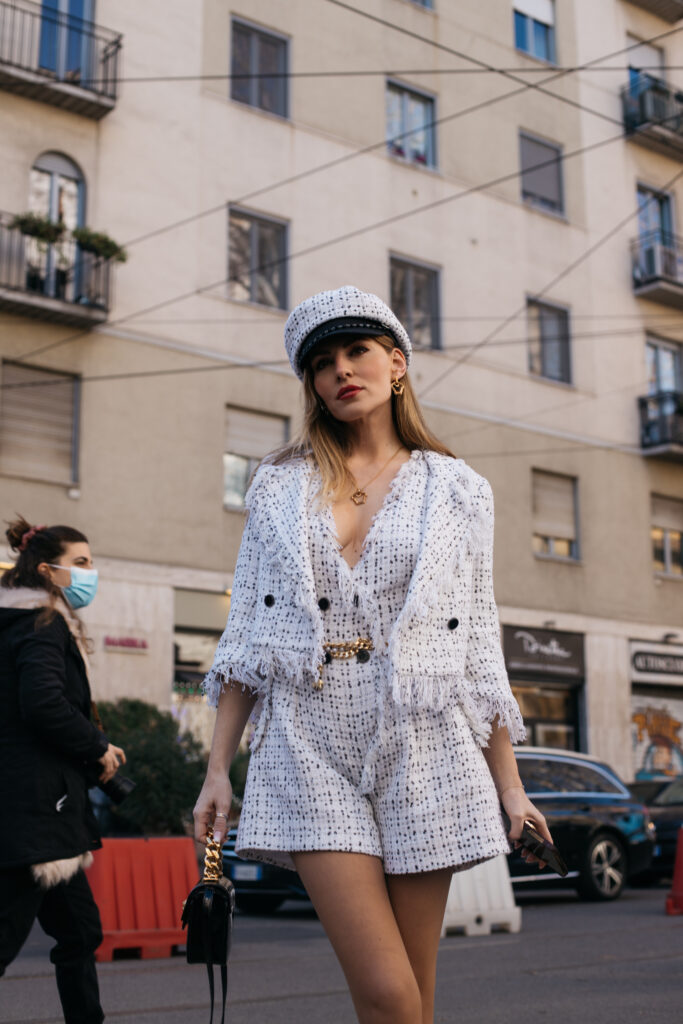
point(572, 963)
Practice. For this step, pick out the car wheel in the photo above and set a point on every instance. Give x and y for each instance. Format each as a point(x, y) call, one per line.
point(604, 870)
point(252, 903)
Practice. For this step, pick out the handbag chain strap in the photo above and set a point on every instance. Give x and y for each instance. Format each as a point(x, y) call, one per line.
point(213, 858)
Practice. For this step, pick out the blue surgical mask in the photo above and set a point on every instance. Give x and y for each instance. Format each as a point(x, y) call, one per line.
point(83, 586)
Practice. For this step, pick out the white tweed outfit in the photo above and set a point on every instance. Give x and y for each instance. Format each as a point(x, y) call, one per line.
point(351, 767)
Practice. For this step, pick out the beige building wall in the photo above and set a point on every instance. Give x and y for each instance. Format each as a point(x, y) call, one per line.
point(162, 166)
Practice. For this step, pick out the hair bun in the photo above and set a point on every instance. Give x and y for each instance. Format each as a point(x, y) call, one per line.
point(15, 532)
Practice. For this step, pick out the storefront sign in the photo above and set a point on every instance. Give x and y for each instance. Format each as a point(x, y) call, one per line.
point(656, 663)
point(543, 650)
point(126, 644)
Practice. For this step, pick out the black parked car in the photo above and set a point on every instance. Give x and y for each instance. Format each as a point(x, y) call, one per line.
point(664, 799)
point(604, 835)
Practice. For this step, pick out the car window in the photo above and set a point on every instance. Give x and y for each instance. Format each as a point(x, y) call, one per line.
point(673, 794)
point(541, 775)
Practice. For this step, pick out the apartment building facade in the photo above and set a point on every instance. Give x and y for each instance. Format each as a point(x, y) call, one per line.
point(507, 176)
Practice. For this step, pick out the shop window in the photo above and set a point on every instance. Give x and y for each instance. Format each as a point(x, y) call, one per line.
point(257, 259)
point(415, 300)
point(666, 535)
point(410, 125)
point(39, 423)
point(554, 529)
point(541, 166)
point(548, 341)
point(259, 68)
point(249, 436)
point(534, 22)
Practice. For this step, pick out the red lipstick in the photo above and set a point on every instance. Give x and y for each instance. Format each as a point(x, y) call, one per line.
point(348, 391)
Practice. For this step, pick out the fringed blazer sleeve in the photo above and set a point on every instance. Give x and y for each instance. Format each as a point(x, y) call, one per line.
point(233, 661)
point(484, 662)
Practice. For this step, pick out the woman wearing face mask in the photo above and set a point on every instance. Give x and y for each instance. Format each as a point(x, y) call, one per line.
point(50, 751)
point(363, 620)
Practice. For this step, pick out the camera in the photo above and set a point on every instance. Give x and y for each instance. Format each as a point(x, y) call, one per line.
point(117, 788)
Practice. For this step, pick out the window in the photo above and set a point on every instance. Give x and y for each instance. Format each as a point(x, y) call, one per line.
point(663, 366)
point(248, 437)
point(256, 265)
point(259, 69)
point(655, 221)
point(557, 776)
point(541, 173)
point(666, 534)
point(410, 125)
point(415, 300)
point(39, 424)
point(645, 66)
point(548, 341)
point(554, 515)
point(429, 4)
point(66, 39)
point(535, 28)
point(57, 191)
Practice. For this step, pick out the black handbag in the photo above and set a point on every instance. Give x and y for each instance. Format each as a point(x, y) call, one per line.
point(207, 914)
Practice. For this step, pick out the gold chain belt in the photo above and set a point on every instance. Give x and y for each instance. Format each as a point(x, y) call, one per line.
point(343, 650)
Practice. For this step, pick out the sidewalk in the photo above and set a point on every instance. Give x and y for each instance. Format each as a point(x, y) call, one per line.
point(572, 963)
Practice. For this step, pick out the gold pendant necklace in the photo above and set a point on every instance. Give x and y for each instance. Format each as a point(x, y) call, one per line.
point(359, 496)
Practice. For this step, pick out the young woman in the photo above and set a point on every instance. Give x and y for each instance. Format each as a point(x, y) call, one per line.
point(363, 624)
point(50, 752)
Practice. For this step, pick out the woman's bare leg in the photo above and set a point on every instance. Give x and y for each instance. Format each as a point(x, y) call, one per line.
point(419, 903)
point(350, 894)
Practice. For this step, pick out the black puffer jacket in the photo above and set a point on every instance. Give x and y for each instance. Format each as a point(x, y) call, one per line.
point(47, 740)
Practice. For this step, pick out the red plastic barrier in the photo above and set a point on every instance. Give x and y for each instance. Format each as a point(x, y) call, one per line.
point(139, 886)
point(674, 901)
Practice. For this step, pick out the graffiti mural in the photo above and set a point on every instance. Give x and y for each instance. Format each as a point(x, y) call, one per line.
point(657, 738)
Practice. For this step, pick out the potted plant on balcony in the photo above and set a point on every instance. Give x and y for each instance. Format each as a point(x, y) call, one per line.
point(99, 244)
point(45, 233)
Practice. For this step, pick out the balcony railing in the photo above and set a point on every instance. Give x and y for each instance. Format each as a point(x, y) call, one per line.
point(657, 267)
point(661, 424)
point(668, 10)
point(57, 58)
point(56, 281)
point(653, 115)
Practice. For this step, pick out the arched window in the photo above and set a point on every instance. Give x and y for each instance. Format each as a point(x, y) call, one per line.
point(57, 191)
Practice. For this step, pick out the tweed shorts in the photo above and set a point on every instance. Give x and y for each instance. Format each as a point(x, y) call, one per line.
point(346, 768)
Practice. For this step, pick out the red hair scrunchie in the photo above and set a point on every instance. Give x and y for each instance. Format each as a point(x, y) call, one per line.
point(29, 535)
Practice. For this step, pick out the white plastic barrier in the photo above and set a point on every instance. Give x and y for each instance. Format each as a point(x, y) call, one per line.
point(480, 899)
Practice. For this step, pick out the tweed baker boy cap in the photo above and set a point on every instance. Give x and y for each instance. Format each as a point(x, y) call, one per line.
point(345, 310)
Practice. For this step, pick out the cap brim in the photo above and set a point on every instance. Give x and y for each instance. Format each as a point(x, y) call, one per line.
point(352, 326)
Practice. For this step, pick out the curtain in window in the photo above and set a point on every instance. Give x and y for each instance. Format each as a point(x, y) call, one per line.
point(541, 183)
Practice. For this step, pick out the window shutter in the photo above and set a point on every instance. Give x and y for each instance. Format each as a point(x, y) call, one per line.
point(645, 56)
point(539, 10)
point(553, 506)
point(37, 423)
point(667, 513)
point(543, 183)
point(253, 434)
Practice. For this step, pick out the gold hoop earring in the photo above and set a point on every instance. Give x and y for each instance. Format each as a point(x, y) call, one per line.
point(398, 386)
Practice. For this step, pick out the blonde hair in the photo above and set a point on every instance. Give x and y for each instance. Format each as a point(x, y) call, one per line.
point(324, 439)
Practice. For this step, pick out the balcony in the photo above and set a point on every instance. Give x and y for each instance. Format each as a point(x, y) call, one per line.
point(653, 115)
point(661, 425)
point(657, 268)
point(56, 282)
point(58, 59)
point(667, 10)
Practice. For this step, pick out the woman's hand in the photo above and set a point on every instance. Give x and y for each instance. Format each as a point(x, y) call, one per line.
point(111, 761)
point(519, 809)
point(213, 807)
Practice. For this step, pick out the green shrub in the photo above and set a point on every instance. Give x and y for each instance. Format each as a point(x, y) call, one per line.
point(167, 766)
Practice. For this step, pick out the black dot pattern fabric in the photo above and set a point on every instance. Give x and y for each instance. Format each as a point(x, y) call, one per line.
point(348, 767)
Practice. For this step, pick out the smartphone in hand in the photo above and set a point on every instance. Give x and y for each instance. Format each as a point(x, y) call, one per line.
point(532, 840)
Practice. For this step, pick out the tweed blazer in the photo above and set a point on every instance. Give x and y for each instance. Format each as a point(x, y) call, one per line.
point(444, 646)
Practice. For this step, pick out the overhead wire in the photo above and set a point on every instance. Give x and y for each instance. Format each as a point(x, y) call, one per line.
point(347, 236)
point(590, 251)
